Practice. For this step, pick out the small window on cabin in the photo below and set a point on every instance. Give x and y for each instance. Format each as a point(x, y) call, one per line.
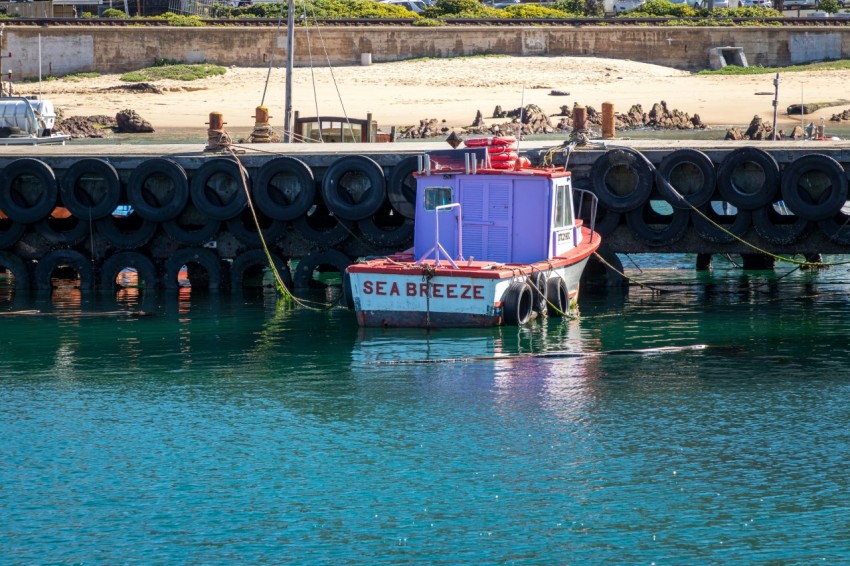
point(563, 214)
point(437, 196)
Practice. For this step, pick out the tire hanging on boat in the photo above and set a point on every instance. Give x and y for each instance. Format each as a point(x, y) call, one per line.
point(191, 226)
point(126, 232)
point(202, 257)
point(691, 174)
point(538, 281)
point(720, 228)
point(656, 229)
point(10, 232)
point(782, 229)
point(158, 189)
point(558, 296)
point(63, 258)
point(91, 189)
point(401, 186)
point(116, 263)
point(354, 187)
point(748, 178)
point(18, 268)
point(253, 259)
point(622, 179)
point(814, 187)
point(284, 188)
point(28, 190)
point(315, 261)
point(517, 304)
point(217, 189)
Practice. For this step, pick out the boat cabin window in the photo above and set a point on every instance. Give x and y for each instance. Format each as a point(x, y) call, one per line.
point(437, 196)
point(563, 214)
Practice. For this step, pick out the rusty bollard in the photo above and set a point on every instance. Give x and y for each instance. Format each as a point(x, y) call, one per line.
point(607, 120)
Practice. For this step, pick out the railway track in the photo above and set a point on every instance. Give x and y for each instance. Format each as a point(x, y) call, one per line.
point(493, 22)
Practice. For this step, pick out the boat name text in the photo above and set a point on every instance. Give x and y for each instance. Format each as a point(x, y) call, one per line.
point(412, 289)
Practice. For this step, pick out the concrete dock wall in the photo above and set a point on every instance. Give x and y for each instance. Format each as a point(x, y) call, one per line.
point(67, 49)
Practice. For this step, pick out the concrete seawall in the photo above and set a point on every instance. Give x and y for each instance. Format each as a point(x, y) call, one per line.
point(71, 49)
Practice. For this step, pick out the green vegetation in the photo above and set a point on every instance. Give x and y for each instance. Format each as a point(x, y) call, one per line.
point(829, 6)
point(698, 16)
point(534, 11)
point(77, 77)
point(113, 13)
point(443, 9)
point(320, 9)
point(178, 72)
point(180, 21)
point(589, 8)
point(839, 65)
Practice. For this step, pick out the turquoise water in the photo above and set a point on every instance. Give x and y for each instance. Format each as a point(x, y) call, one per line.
point(224, 429)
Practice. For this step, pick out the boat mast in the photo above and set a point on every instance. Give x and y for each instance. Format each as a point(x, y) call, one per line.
point(290, 48)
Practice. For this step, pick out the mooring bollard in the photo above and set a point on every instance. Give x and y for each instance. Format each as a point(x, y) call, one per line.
point(217, 138)
point(579, 118)
point(607, 120)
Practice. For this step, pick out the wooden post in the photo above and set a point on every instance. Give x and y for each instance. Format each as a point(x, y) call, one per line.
point(579, 118)
point(607, 120)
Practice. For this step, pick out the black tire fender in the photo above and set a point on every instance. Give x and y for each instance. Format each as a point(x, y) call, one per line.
point(245, 229)
point(387, 228)
point(320, 226)
point(285, 188)
point(256, 258)
point(217, 189)
point(126, 232)
point(354, 187)
point(27, 173)
point(818, 172)
point(687, 178)
point(784, 229)
point(558, 296)
point(57, 258)
point(69, 231)
point(401, 186)
point(314, 260)
point(622, 179)
point(644, 224)
point(19, 270)
point(116, 263)
point(182, 229)
point(158, 189)
point(517, 304)
point(91, 189)
point(10, 232)
point(201, 256)
point(538, 281)
point(748, 178)
point(708, 230)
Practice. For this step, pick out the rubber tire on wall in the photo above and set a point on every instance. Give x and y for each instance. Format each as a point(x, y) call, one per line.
point(309, 263)
point(558, 296)
point(703, 166)
point(837, 228)
point(729, 189)
point(634, 162)
point(114, 264)
point(517, 304)
point(401, 186)
point(79, 230)
point(711, 233)
point(109, 228)
point(254, 258)
point(340, 201)
point(672, 232)
point(205, 233)
point(247, 233)
point(283, 204)
point(10, 232)
point(201, 256)
point(49, 262)
point(319, 226)
point(45, 203)
point(782, 233)
point(204, 200)
point(802, 206)
point(18, 268)
point(72, 200)
point(136, 188)
point(379, 230)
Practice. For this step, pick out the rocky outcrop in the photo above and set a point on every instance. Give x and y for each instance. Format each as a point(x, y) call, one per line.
point(86, 126)
point(129, 122)
point(840, 117)
point(758, 130)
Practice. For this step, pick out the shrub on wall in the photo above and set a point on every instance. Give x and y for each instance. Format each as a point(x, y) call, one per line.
point(443, 9)
point(533, 11)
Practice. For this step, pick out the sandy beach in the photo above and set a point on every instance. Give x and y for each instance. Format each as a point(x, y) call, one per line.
point(453, 90)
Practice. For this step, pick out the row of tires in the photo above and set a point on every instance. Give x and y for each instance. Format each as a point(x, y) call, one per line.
point(540, 293)
point(353, 188)
point(656, 223)
point(205, 269)
point(813, 187)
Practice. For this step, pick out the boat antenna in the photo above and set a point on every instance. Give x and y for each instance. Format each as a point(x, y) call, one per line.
point(290, 56)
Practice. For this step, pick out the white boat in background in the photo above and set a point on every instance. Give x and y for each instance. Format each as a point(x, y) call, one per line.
point(28, 121)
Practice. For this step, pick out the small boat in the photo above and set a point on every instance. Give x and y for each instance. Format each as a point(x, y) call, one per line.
point(495, 241)
point(28, 121)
